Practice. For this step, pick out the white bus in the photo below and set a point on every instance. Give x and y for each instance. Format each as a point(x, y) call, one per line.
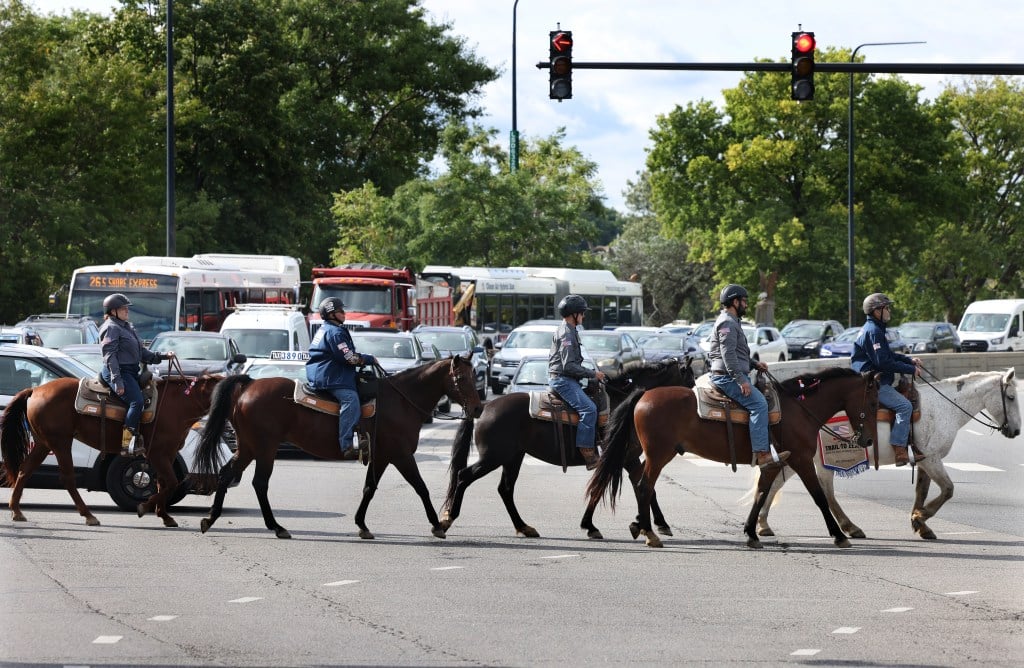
point(502, 298)
point(185, 293)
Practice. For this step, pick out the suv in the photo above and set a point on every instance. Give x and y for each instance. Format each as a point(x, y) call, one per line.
point(58, 330)
point(459, 341)
point(524, 340)
point(259, 329)
point(22, 335)
point(805, 337)
point(201, 352)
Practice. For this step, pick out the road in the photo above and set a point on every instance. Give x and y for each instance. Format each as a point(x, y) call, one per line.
point(131, 592)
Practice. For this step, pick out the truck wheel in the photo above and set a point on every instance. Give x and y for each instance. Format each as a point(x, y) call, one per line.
point(130, 481)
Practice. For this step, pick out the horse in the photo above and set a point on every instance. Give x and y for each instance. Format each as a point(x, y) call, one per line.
point(664, 422)
point(506, 433)
point(48, 414)
point(991, 391)
point(264, 415)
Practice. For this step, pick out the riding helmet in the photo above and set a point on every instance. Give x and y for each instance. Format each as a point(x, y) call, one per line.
point(329, 306)
point(731, 292)
point(874, 301)
point(114, 302)
point(572, 304)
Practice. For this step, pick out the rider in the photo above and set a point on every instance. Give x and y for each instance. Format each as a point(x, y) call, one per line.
point(871, 353)
point(730, 372)
point(332, 367)
point(122, 353)
point(565, 370)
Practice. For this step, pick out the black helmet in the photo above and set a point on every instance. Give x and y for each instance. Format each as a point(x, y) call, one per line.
point(571, 304)
point(876, 300)
point(731, 292)
point(329, 306)
point(114, 302)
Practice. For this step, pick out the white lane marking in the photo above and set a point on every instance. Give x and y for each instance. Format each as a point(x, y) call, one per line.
point(961, 593)
point(562, 556)
point(847, 629)
point(805, 652)
point(959, 533)
point(447, 568)
point(246, 599)
point(976, 433)
point(898, 610)
point(970, 466)
point(163, 618)
point(106, 640)
point(340, 583)
point(709, 463)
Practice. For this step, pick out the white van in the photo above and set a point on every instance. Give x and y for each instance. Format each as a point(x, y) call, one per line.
point(992, 324)
point(259, 329)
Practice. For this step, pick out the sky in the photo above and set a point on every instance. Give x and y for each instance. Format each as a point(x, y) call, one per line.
point(612, 111)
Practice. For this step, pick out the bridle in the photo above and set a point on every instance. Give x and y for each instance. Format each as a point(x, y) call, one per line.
point(858, 433)
point(460, 391)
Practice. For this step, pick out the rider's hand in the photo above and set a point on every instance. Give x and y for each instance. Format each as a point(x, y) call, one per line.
point(601, 377)
point(745, 389)
point(117, 387)
point(761, 366)
point(169, 354)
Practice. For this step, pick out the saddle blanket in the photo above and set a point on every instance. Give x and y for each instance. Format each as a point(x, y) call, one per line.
point(306, 396)
point(94, 395)
point(542, 408)
point(711, 404)
point(845, 458)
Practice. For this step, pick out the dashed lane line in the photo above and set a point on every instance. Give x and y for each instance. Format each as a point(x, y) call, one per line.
point(246, 599)
point(340, 583)
point(107, 640)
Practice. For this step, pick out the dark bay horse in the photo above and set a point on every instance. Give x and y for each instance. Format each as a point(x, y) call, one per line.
point(48, 414)
point(264, 415)
point(663, 422)
point(505, 434)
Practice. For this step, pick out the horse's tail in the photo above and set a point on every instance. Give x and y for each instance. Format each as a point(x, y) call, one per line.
point(460, 455)
point(222, 403)
point(618, 433)
point(14, 435)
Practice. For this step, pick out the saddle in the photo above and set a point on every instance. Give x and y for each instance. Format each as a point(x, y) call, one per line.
point(322, 402)
point(908, 390)
point(715, 406)
point(95, 398)
point(549, 407)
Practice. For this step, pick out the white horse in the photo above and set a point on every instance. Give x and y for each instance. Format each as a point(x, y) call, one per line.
point(946, 406)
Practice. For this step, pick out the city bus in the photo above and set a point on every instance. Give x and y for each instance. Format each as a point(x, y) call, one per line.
point(185, 293)
point(495, 300)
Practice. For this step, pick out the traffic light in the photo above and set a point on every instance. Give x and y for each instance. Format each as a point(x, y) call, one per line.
point(560, 83)
point(803, 66)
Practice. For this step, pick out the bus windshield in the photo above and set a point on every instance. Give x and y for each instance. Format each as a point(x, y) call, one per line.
point(152, 296)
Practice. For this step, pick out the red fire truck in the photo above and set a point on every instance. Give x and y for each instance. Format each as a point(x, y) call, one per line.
point(379, 296)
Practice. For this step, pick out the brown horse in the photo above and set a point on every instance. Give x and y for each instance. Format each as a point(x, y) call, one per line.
point(265, 415)
point(506, 433)
point(664, 423)
point(48, 414)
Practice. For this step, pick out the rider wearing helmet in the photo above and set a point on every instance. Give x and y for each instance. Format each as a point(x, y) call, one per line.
point(123, 352)
point(332, 367)
point(565, 370)
point(871, 353)
point(730, 372)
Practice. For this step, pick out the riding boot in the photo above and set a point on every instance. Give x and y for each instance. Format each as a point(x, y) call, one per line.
point(900, 455)
point(918, 455)
point(126, 442)
point(590, 457)
point(765, 459)
point(364, 447)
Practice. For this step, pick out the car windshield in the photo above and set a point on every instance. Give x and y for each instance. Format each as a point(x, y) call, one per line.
point(751, 333)
point(984, 322)
point(293, 371)
point(385, 346)
point(189, 348)
point(450, 341)
point(805, 330)
point(663, 342)
point(703, 329)
point(913, 330)
point(529, 340)
point(532, 372)
point(55, 337)
point(258, 342)
point(595, 341)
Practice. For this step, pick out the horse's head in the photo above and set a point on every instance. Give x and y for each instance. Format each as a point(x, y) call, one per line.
point(460, 385)
point(1010, 427)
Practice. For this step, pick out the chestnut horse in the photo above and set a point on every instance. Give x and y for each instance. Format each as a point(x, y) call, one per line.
point(506, 433)
point(48, 414)
point(264, 415)
point(664, 422)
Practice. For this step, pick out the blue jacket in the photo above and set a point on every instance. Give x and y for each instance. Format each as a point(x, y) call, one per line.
point(871, 352)
point(333, 359)
point(121, 346)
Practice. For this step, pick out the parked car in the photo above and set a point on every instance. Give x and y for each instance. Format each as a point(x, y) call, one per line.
point(805, 337)
point(522, 341)
point(766, 343)
point(459, 341)
point(128, 480)
point(532, 374)
point(397, 351)
point(659, 347)
point(201, 352)
point(89, 354)
point(930, 337)
point(636, 331)
point(842, 345)
point(22, 335)
point(58, 330)
point(614, 352)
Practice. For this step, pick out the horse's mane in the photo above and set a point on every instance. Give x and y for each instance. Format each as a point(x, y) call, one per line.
point(799, 382)
point(417, 372)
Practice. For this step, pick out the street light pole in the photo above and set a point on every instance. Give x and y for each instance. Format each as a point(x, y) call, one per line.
point(849, 182)
point(169, 195)
point(513, 140)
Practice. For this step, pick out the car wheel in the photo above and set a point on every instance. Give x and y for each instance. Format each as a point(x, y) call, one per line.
point(482, 393)
point(497, 388)
point(131, 481)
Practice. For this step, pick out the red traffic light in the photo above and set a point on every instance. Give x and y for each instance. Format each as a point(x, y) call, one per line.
point(804, 42)
point(561, 41)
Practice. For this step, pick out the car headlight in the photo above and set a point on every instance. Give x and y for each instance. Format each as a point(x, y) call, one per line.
point(920, 346)
point(812, 345)
point(825, 352)
point(609, 361)
point(996, 341)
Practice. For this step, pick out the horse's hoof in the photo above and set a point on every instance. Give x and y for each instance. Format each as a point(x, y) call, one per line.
point(843, 542)
point(653, 540)
point(856, 533)
point(204, 524)
point(527, 531)
point(170, 523)
point(141, 509)
point(664, 530)
point(634, 530)
point(754, 543)
point(765, 531)
point(595, 534)
point(365, 534)
point(18, 517)
point(90, 521)
point(927, 534)
point(438, 532)
point(281, 532)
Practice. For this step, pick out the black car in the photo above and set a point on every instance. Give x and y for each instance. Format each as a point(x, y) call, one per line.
point(805, 337)
point(58, 330)
point(200, 352)
point(930, 337)
point(459, 341)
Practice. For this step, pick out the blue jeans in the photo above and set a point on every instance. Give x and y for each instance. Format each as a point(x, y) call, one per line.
point(132, 394)
point(889, 397)
point(572, 393)
point(348, 417)
point(754, 402)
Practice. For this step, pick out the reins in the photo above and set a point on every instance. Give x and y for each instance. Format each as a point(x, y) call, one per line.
point(1002, 395)
point(824, 423)
point(430, 411)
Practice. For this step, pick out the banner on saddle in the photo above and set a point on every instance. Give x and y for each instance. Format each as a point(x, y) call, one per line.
point(711, 404)
point(550, 408)
point(306, 396)
point(841, 454)
point(95, 398)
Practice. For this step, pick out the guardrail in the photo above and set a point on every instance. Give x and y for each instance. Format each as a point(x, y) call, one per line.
point(943, 365)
